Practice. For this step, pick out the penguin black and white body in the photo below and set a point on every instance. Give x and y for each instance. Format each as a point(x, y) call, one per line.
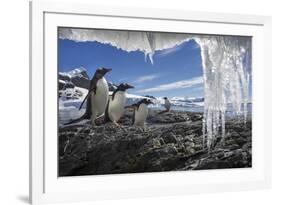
point(141, 112)
point(116, 104)
point(167, 104)
point(97, 97)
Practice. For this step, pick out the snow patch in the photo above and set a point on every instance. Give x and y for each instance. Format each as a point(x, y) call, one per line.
point(75, 72)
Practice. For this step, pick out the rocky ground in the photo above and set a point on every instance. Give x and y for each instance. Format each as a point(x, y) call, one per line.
point(172, 141)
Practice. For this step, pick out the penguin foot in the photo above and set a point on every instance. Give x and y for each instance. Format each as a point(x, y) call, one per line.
point(94, 124)
point(93, 120)
point(118, 125)
point(141, 129)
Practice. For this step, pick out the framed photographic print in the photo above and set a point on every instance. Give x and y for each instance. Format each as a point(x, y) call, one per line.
point(129, 102)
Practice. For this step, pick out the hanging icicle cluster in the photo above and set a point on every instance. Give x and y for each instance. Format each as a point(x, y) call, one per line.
point(226, 63)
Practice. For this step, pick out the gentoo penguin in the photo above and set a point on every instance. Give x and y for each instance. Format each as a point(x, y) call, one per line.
point(141, 112)
point(116, 104)
point(97, 97)
point(167, 104)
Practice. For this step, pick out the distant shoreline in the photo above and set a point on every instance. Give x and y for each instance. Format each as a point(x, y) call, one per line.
point(65, 115)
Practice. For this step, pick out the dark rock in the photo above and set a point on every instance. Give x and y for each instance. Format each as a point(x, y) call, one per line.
point(64, 77)
point(212, 164)
point(168, 117)
point(162, 142)
point(61, 85)
point(69, 85)
point(81, 81)
point(169, 138)
point(172, 141)
point(77, 77)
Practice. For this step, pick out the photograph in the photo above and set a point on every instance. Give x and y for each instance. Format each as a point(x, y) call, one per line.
point(149, 101)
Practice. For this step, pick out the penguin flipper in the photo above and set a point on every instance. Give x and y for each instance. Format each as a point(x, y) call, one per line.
point(84, 101)
point(91, 90)
point(86, 115)
point(74, 121)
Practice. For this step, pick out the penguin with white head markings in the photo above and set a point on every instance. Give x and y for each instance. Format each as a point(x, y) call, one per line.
point(167, 104)
point(116, 104)
point(97, 97)
point(141, 112)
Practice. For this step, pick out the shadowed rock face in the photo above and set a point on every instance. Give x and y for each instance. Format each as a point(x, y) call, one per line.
point(79, 79)
point(171, 142)
point(81, 82)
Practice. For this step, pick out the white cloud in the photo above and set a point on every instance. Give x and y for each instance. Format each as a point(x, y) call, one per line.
point(145, 78)
point(175, 85)
point(123, 79)
point(170, 50)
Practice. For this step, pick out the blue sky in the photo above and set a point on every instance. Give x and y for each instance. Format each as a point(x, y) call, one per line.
point(175, 72)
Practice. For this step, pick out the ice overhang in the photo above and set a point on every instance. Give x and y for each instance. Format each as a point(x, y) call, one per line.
point(144, 41)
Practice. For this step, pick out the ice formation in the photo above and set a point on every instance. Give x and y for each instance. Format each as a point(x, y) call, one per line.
point(146, 42)
point(226, 68)
point(226, 62)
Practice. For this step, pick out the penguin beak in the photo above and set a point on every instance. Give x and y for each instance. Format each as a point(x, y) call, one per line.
point(129, 86)
point(106, 70)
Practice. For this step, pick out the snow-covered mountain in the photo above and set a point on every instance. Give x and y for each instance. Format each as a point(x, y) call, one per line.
point(76, 72)
point(78, 77)
point(187, 101)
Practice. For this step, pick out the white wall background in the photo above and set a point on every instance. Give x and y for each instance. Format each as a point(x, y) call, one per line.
point(14, 100)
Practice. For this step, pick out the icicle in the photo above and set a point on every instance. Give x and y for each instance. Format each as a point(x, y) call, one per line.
point(226, 80)
point(151, 57)
point(145, 57)
point(151, 41)
point(204, 129)
point(223, 126)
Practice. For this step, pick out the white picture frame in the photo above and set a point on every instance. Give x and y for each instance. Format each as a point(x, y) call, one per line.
point(46, 187)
